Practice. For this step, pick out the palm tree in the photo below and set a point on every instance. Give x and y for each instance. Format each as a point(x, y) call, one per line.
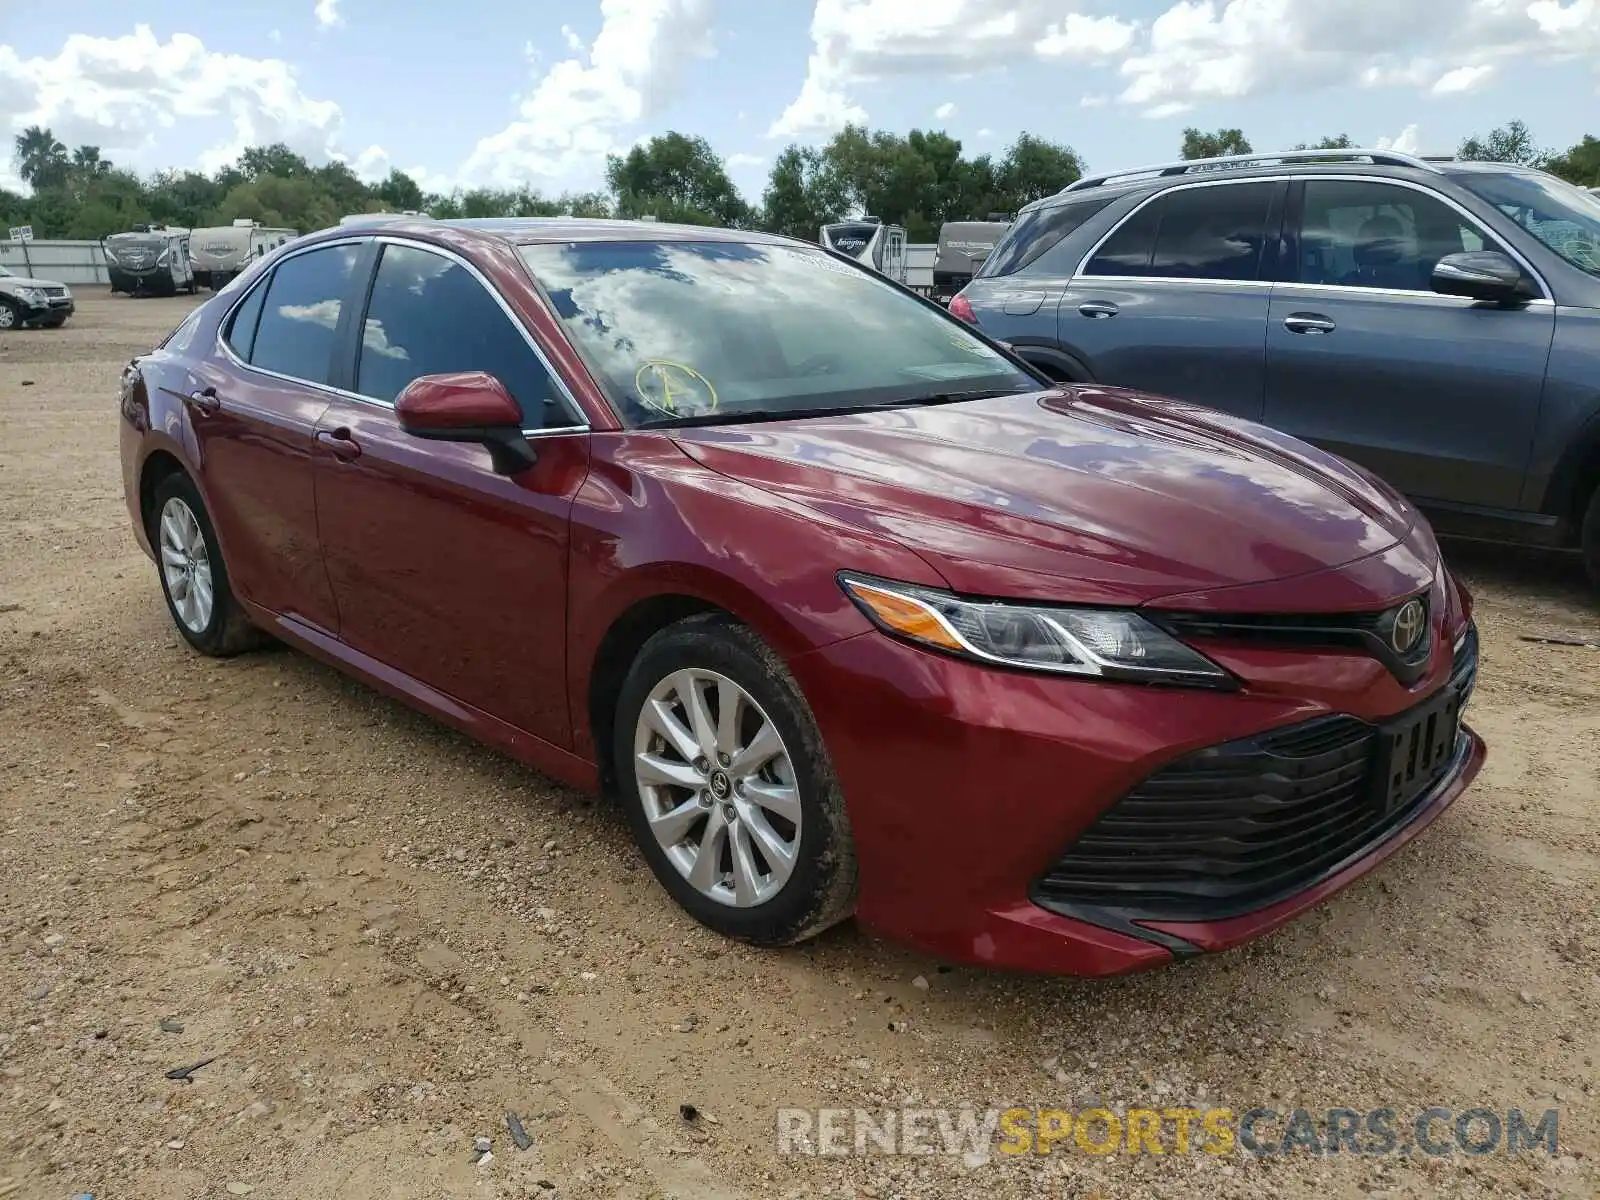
point(86, 160)
point(41, 158)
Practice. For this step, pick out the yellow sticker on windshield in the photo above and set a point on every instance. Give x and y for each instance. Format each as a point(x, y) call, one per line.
point(673, 388)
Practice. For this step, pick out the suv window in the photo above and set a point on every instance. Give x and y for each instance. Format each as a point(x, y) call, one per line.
point(428, 315)
point(1214, 231)
point(295, 336)
point(1364, 233)
point(1037, 233)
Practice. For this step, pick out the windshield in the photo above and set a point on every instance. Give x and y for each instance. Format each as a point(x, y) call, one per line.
point(1561, 215)
point(715, 330)
point(3, 271)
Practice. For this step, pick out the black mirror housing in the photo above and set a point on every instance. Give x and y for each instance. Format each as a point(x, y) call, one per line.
point(1483, 275)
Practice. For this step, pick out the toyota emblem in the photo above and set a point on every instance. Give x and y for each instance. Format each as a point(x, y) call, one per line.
point(1410, 619)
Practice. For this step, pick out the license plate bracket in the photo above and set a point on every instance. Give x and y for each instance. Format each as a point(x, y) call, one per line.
point(1416, 747)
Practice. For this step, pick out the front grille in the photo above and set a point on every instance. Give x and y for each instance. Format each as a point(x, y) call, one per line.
point(1365, 631)
point(55, 291)
point(1233, 828)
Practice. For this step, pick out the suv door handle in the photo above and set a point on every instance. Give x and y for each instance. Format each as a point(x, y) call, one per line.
point(1308, 323)
point(344, 447)
point(205, 401)
point(1098, 309)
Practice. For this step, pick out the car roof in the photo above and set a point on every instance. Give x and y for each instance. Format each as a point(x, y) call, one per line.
point(533, 230)
point(1144, 180)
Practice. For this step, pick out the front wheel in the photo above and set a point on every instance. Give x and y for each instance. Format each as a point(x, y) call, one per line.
point(729, 789)
point(193, 576)
point(10, 315)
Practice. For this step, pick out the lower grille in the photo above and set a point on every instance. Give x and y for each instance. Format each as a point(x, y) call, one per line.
point(1236, 827)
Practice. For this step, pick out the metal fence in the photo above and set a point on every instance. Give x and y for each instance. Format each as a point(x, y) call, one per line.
point(72, 263)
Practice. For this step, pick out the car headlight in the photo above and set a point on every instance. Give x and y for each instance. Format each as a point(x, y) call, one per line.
point(30, 295)
point(1094, 642)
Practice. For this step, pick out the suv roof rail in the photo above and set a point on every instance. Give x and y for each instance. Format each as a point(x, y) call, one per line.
point(1385, 158)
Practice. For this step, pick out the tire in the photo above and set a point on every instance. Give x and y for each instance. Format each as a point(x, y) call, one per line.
point(1589, 537)
point(10, 315)
point(820, 887)
point(225, 630)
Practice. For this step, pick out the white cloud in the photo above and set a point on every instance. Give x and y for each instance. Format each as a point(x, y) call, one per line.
point(856, 42)
point(117, 92)
point(746, 160)
point(327, 12)
point(1200, 50)
point(577, 111)
point(945, 111)
point(1407, 141)
point(1462, 79)
point(570, 36)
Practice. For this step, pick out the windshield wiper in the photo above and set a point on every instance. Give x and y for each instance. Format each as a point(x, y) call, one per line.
point(840, 410)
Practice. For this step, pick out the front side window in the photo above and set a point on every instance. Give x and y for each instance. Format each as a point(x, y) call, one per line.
point(1216, 231)
point(295, 335)
point(428, 315)
point(1369, 234)
point(721, 330)
point(1565, 218)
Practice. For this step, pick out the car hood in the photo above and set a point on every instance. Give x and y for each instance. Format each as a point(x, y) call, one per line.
point(28, 281)
point(1085, 494)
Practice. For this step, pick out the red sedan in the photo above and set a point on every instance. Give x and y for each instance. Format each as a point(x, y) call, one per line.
point(853, 611)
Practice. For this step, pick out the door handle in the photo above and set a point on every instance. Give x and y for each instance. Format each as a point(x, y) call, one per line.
point(205, 401)
point(1098, 309)
point(340, 442)
point(1308, 323)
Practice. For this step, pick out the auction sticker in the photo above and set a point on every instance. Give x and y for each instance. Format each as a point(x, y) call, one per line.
point(674, 388)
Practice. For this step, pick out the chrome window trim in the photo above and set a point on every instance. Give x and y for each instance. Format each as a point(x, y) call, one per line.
point(1263, 285)
point(1477, 225)
point(373, 401)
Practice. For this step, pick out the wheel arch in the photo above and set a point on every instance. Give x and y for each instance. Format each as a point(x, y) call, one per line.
point(1060, 364)
point(1576, 476)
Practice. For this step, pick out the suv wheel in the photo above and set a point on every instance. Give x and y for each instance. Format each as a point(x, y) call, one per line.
point(10, 316)
point(728, 787)
point(1589, 537)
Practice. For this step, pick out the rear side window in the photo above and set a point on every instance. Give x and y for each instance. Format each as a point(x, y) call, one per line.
point(1038, 232)
point(241, 331)
point(428, 315)
point(295, 336)
point(1212, 232)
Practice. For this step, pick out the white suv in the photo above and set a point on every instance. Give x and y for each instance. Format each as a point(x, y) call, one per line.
point(25, 301)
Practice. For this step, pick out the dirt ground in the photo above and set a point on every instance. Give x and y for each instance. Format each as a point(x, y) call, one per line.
point(385, 938)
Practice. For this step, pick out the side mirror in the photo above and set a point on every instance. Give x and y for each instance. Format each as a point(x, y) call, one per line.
point(467, 406)
point(1482, 275)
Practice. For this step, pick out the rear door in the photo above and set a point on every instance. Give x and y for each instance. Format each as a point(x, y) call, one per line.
point(443, 569)
point(1437, 394)
point(254, 409)
point(1173, 301)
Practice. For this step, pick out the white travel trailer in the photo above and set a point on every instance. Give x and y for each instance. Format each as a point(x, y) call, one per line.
point(869, 240)
point(223, 251)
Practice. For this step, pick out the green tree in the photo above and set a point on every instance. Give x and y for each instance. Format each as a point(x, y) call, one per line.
point(1339, 142)
point(1511, 143)
point(675, 178)
point(1034, 168)
point(400, 193)
point(1223, 143)
point(41, 158)
point(1580, 164)
point(802, 194)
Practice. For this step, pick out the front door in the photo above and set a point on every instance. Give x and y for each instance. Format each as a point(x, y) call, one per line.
point(1174, 301)
point(1438, 395)
point(443, 569)
point(255, 431)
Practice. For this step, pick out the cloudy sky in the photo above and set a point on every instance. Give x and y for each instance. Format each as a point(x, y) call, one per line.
point(491, 92)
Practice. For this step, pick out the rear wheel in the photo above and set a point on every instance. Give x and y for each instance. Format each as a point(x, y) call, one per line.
point(728, 787)
point(193, 576)
point(1589, 537)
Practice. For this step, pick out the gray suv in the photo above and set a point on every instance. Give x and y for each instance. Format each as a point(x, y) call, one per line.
point(1436, 321)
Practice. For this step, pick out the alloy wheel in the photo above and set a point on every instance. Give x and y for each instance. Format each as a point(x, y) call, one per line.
point(718, 787)
point(8, 317)
point(186, 566)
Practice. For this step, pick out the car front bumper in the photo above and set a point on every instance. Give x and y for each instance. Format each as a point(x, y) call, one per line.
point(968, 788)
point(50, 309)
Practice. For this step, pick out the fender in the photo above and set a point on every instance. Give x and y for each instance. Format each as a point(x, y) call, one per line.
point(1576, 474)
point(1042, 352)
